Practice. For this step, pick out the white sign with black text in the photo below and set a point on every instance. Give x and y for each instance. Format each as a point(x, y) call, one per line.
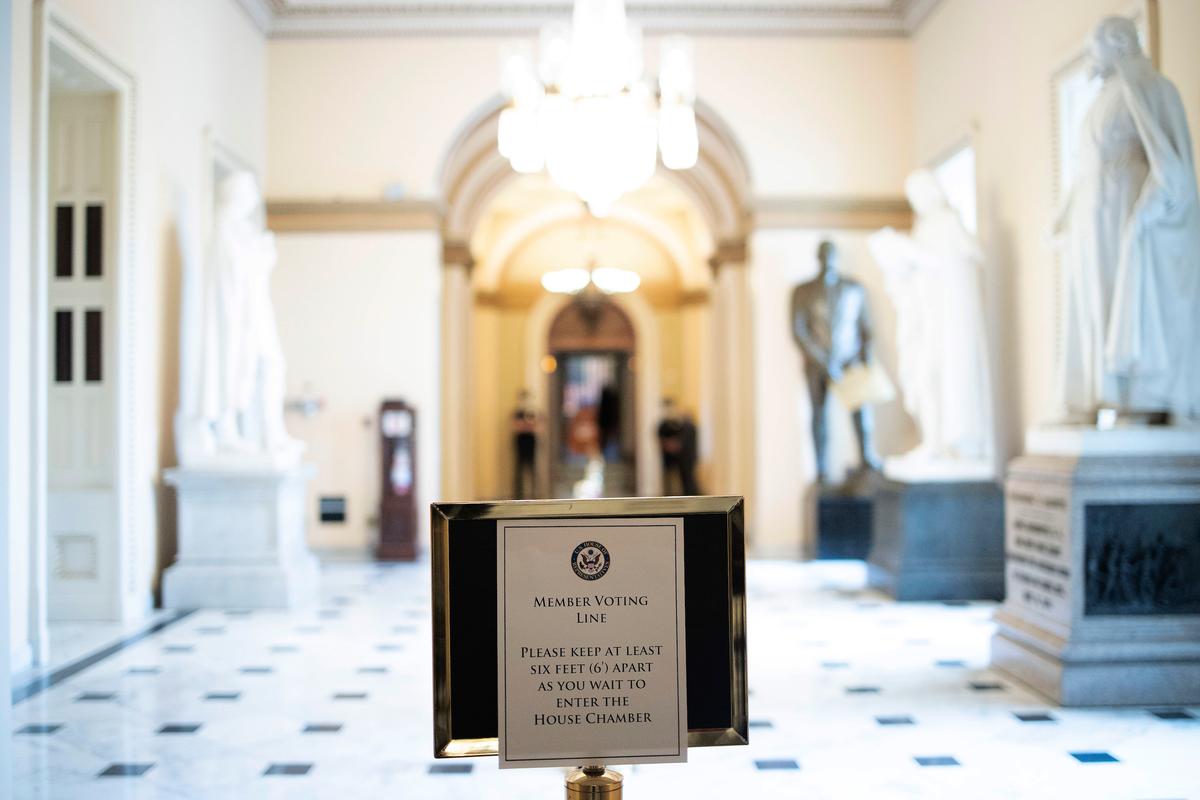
point(591, 654)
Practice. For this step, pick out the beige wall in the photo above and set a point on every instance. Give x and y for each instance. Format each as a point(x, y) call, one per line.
point(984, 68)
point(358, 317)
point(816, 116)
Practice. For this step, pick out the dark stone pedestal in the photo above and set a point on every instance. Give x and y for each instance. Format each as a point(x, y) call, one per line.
point(938, 541)
point(843, 525)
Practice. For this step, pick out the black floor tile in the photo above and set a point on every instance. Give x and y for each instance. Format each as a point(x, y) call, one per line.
point(125, 770)
point(936, 761)
point(776, 763)
point(96, 697)
point(288, 769)
point(180, 727)
point(1034, 716)
point(39, 729)
point(1094, 757)
point(1173, 713)
point(450, 769)
point(896, 720)
point(323, 727)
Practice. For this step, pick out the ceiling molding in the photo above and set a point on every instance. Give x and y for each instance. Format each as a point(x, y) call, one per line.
point(284, 19)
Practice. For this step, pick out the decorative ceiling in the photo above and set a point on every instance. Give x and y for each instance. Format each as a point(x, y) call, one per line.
point(304, 18)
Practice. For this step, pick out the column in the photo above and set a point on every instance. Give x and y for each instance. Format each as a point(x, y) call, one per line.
point(732, 373)
point(457, 470)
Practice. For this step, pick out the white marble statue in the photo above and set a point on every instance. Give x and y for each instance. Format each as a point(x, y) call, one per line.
point(232, 364)
point(1131, 230)
point(932, 278)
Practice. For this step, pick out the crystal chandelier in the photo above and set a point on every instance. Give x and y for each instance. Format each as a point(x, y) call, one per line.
point(586, 114)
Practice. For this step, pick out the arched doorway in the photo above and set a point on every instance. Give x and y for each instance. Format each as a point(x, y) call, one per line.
point(591, 371)
point(701, 232)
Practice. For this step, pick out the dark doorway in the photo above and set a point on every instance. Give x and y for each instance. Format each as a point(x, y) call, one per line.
point(592, 395)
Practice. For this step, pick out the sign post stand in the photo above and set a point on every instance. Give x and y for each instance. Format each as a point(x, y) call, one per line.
point(594, 783)
point(582, 633)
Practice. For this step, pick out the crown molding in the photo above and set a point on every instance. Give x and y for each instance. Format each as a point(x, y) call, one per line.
point(286, 19)
point(261, 13)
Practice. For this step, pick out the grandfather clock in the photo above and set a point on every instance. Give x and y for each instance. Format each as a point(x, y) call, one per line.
point(398, 497)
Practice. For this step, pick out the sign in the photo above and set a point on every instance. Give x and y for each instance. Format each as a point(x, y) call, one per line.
point(466, 615)
point(591, 641)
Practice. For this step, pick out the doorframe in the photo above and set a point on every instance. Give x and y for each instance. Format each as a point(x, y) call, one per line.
point(131, 601)
point(647, 391)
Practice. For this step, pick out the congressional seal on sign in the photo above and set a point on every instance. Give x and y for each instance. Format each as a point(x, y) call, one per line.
point(590, 560)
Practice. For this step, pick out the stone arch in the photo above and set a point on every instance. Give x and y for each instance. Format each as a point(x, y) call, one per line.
point(472, 173)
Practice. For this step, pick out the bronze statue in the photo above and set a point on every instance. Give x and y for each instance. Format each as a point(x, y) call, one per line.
point(832, 324)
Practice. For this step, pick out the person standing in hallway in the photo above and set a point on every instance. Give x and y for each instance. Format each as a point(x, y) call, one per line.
point(688, 455)
point(525, 424)
point(670, 442)
point(608, 417)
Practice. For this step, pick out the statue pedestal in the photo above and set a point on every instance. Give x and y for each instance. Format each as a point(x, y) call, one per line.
point(843, 524)
point(1103, 567)
point(938, 540)
point(241, 539)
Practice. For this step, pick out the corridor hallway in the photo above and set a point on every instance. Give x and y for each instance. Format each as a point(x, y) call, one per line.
point(852, 695)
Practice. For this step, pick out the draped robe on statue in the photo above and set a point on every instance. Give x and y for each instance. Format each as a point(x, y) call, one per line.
point(932, 278)
point(1133, 252)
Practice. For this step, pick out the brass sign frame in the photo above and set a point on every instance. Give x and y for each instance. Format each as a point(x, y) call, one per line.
point(445, 746)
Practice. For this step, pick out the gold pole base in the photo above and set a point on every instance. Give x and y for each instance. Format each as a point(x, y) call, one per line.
point(593, 783)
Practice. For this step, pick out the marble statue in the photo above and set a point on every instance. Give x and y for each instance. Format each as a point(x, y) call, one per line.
point(832, 325)
point(1130, 227)
point(932, 278)
point(232, 364)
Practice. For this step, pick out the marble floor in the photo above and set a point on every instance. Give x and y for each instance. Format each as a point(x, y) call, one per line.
point(851, 696)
